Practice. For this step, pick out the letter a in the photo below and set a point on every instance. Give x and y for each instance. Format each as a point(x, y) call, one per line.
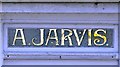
point(21, 38)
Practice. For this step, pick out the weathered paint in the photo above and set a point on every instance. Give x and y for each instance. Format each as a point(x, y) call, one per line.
point(60, 0)
point(1, 37)
point(61, 14)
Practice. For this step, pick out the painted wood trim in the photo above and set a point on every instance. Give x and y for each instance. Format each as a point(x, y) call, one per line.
point(1, 44)
point(60, 8)
point(60, 0)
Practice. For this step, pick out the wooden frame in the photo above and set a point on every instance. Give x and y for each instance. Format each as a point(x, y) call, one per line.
point(60, 0)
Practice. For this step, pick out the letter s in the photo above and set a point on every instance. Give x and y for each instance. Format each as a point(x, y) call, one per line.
point(97, 40)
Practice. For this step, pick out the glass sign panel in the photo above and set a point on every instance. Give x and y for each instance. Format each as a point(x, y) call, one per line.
point(60, 37)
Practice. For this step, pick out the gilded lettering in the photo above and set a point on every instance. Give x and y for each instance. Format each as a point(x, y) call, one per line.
point(50, 37)
point(97, 40)
point(79, 40)
point(89, 37)
point(22, 37)
point(41, 38)
point(67, 37)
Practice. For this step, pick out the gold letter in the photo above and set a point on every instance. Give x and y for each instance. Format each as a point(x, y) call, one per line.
point(96, 34)
point(77, 38)
point(89, 37)
point(67, 36)
point(22, 36)
point(42, 38)
point(55, 37)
